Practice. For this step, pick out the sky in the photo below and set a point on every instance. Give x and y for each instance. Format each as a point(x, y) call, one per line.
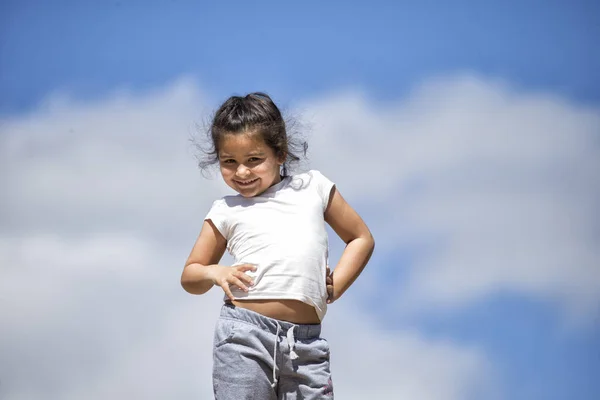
point(466, 134)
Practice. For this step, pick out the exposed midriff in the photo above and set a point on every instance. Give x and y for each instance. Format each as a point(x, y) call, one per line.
point(293, 311)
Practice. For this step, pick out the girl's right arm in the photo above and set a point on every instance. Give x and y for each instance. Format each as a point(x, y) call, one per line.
point(201, 271)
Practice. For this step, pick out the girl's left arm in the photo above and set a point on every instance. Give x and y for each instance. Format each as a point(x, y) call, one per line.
point(350, 227)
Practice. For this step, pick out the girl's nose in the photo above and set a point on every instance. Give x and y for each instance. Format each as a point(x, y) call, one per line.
point(242, 171)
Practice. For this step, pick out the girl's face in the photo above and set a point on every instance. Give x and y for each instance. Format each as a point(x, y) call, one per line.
point(247, 164)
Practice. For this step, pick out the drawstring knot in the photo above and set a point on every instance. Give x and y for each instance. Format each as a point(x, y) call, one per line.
point(292, 343)
point(293, 355)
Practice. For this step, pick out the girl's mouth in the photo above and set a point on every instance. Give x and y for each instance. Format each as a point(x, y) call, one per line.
point(246, 183)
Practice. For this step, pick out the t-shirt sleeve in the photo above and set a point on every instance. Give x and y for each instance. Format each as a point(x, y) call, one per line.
point(323, 187)
point(218, 215)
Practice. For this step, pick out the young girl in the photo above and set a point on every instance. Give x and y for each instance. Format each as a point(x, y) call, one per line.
point(267, 341)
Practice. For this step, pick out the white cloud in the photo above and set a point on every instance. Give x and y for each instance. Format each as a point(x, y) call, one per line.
point(101, 203)
point(369, 362)
point(73, 167)
point(71, 308)
point(105, 318)
point(499, 186)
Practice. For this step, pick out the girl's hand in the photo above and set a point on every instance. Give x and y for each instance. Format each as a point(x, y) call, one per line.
point(224, 276)
point(329, 285)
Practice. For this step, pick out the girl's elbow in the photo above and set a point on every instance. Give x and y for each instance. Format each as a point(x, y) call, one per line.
point(367, 240)
point(193, 280)
point(191, 287)
point(369, 243)
point(186, 280)
point(368, 236)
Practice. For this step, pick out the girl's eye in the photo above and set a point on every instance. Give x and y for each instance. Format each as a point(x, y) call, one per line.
point(254, 159)
point(229, 161)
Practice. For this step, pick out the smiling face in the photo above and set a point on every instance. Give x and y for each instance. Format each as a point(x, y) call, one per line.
point(248, 165)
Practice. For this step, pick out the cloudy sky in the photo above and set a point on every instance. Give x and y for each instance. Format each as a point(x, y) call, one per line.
point(467, 134)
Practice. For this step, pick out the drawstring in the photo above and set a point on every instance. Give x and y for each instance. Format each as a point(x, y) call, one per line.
point(291, 342)
point(275, 356)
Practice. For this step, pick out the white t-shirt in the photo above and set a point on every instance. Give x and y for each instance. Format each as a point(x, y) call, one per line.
point(282, 232)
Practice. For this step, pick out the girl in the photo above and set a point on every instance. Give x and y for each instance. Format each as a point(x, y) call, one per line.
point(267, 341)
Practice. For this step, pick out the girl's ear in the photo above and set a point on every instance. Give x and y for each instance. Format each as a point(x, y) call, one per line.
point(281, 158)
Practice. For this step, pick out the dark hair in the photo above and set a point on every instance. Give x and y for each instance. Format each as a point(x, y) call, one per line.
point(255, 112)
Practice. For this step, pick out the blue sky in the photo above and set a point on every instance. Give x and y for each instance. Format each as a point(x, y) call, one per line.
point(315, 55)
point(89, 47)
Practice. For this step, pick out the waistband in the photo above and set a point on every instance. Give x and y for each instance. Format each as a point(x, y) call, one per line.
point(301, 331)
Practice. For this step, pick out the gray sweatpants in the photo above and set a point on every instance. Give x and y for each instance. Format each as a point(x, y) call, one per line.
point(261, 358)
